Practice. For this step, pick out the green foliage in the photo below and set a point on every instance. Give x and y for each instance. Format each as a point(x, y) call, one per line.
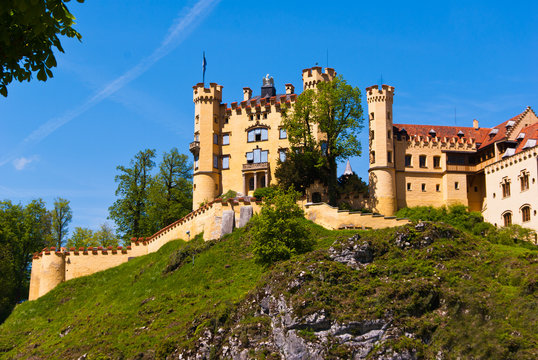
point(82, 237)
point(29, 31)
point(148, 203)
point(266, 193)
point(105, 236)
point(230, 194)
point(335, 108)
point(279, 231)
point(61, 217)
point(170, 193)
point(301, 169)
point(469, 221)
point(23, 230)
point(351, 184)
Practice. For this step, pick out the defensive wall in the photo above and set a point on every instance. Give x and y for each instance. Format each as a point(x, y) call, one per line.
point(52, 266)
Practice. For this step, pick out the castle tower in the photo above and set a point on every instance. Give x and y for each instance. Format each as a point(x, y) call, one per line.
point(381, 173)
point(206, 145)
point(314, 75)
point(52, 271)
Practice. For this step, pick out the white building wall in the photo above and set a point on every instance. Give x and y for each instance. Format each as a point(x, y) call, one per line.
point(511, 168)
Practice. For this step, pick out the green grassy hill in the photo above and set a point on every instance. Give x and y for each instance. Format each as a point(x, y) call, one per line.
point(420, 292)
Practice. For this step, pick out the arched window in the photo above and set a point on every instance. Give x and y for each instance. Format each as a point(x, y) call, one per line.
point(258, 134)
point(507, 217)
point(526, 213)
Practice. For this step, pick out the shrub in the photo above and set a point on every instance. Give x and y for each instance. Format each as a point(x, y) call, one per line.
point(279, 231)
point(230, 194)
point(266, 193)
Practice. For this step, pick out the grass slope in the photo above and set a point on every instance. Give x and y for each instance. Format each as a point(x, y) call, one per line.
point(463, 295)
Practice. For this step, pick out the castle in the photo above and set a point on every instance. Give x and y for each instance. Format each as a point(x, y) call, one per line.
point(236, 148)
point(492, 170)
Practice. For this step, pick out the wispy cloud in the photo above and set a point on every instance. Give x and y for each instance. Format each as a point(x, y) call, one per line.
point(22, 162)
point(180, 29)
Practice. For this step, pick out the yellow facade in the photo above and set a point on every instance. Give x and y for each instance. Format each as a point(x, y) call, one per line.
point(237, 147)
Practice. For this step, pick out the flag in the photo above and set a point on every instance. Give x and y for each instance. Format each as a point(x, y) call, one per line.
point(204, 64)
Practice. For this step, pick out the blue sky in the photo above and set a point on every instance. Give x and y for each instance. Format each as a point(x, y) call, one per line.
point(128, 85)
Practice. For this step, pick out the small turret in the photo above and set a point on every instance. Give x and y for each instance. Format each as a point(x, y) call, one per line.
point(314, 75)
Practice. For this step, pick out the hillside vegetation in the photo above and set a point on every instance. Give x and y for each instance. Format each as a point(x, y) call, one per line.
point(418, 291)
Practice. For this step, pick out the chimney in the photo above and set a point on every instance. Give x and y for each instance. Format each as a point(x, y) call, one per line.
point(290, 89)
point(475, 124)
point(247, 93)
point(268, 87)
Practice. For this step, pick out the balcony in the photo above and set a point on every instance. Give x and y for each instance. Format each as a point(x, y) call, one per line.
point(461, 168)
point(256, 166)
point(194, 147)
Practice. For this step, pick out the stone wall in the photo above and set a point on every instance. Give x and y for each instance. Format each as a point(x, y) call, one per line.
point(52, 266)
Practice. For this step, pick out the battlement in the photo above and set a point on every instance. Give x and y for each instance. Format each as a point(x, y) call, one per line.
point(202, 94)
point(260, 105)
point(444, 143)
point(374, 94)
point(315, 75)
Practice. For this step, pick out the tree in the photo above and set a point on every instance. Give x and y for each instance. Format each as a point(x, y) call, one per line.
point(61, 217)
point(29, 32)
point(130, 210)
point(170, 195)
point(82, 237)
point(301, 168)
point(105, 236)
point(23, 230)
point(334, 110)
point(279, 230)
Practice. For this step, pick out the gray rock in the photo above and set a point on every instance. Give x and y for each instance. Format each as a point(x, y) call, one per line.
point(244, 216)
point(351, 253)
point(228, 222)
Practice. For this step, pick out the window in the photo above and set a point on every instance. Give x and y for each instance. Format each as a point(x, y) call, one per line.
point(372, 157)
point(283, 134)
point(226, 120)
point(196, 157)
point(259, 134)
point(408, 186)
point(265, 115)
point(251, 183)
point(215, 161)
point(257, 156)
point(436, 162)
point(215, 139)
point(215, 119)
point(507, 217)
point(226, 161)
point(251, 117)
point(388, 134)
point(371, 134)
point(226, 139)
point(372, 116)
point(524, 181)
point(438, 187)
point(423, 187)
point(526, 213)
point(457, 185)
point(197, 137)
point(258, 116)
point(422, 161)
point(408, 160)
point(389, 156)
point(506, 188)
point(282, 155)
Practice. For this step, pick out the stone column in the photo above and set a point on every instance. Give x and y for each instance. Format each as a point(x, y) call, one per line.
point(266, 178)
point(245, 190)
point(255, 180)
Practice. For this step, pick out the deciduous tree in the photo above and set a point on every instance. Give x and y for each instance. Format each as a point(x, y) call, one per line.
point(61, 217)
point(29, 32)
point(130, 210)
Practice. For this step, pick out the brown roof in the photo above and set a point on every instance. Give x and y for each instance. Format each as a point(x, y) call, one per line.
point(444, 131)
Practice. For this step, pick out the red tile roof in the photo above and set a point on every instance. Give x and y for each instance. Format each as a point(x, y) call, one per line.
point(531, 132)
point(444, 131)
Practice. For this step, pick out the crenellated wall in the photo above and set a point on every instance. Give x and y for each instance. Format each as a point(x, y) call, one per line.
point(52, 266)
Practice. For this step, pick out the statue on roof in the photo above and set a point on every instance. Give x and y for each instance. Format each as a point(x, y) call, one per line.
point(268, 81)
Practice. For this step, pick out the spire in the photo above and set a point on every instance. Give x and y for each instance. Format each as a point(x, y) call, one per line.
point(348, 170)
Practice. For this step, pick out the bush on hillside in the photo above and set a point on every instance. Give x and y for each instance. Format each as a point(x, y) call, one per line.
point(470, 221)
point(280, 231)
point(230, 194)
point(265, 193)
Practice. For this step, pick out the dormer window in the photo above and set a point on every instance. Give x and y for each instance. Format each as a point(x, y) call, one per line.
point(493, 132)
point(510, 123)
point(520, 137)
point(460, 134)
point(432, 133)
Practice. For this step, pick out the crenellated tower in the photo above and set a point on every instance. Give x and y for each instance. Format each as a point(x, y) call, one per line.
point(382, 172)
point(315, 75)
point(206, 145)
